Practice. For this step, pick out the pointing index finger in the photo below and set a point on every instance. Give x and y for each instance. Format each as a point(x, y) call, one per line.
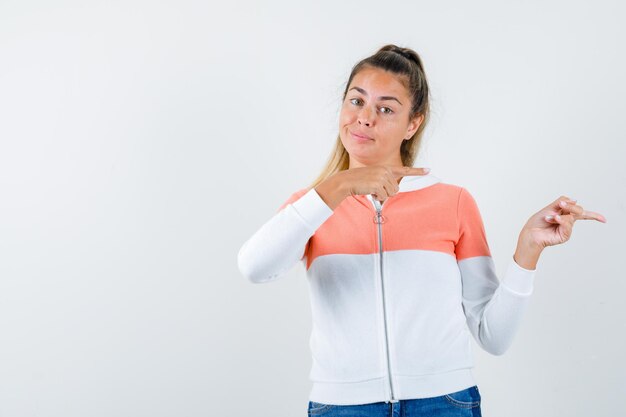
point(592, 215)
point(407, 171)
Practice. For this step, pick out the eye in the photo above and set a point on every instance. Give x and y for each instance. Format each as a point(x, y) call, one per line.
point(384, 112)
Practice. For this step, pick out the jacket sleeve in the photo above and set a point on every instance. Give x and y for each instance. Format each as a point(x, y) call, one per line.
point(283, 240)
point(494, 309)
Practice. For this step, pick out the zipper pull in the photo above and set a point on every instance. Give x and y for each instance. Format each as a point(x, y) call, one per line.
point(378, 217)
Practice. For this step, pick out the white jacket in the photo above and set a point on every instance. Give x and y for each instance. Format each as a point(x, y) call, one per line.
point(395, 290)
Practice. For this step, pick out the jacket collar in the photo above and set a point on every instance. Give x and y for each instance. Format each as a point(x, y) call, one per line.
point(417, 182)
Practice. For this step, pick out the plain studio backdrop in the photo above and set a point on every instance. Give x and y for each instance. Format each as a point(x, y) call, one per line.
point(143, 142)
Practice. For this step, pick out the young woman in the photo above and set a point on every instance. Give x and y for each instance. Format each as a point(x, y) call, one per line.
point(398, 265)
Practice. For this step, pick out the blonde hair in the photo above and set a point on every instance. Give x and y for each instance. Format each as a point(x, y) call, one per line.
point(407, 64)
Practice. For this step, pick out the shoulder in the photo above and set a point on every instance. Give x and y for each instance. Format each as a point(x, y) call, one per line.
point(457, 190)
point(448, 191)
point(449, 188)
point(455, 195)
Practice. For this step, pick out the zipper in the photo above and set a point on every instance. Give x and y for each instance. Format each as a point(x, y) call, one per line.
point(379, 219)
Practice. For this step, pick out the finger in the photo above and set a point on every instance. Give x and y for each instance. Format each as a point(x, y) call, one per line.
point(592, 215)
point(408, 171)
point(391, 185)
point(395, 181)
point(381, 193)
point(566, 219)
point(557, 207)
point(580, 213)
point(574, 209)
point(554, 218)
point(566, 222)
point(556, 204)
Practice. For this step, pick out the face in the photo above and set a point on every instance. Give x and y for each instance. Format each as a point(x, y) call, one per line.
point(376, 106)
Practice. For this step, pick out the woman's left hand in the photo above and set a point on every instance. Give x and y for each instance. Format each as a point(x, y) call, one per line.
point(553, 224)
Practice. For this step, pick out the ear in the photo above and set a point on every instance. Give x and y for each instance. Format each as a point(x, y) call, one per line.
point(414, 124)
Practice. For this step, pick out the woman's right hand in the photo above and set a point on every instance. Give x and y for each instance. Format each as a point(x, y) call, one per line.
point(379, 180)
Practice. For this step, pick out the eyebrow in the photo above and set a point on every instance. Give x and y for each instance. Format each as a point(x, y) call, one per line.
point(360, 90)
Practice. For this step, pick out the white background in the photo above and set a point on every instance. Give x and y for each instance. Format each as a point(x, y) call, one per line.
point(141, 143)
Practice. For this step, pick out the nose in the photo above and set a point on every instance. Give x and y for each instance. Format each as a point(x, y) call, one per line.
point(364, 116)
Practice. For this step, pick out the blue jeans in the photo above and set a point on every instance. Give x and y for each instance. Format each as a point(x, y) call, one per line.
point(455, 404)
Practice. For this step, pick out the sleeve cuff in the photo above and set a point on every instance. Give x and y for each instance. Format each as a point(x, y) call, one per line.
point(519, 280)
point(312, 209)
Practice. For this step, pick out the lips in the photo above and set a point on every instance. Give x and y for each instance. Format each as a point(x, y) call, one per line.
point(360, 135)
